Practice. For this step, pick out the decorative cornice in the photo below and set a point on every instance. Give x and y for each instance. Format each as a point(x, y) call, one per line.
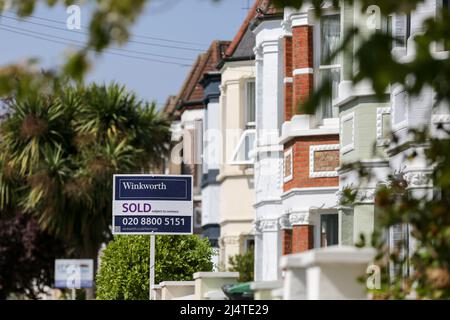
point(420, 178)
point(229, 240)
point(299, 19)
point(299, 218)
point(266, 225)
point(285, 222)
point(440, 118)
point(363, 196)
point(305, 191)
point(265, 202)
point(286, 27)
point(366, 164)
point(270, 46)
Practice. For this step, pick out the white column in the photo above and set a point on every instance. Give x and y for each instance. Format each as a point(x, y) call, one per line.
point(268, 164)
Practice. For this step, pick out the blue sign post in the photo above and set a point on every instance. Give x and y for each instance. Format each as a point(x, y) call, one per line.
point(152, 204)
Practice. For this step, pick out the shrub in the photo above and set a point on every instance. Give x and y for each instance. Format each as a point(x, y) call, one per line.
point(124, 268)
point(244, 264)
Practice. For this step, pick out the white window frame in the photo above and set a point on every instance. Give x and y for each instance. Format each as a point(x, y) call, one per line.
point(248, 125)
point(291, 175)
point(380, 112)
point(396, 126)
point(317, 51)
point(315, 219)
point(240, 144)
point(351, 146)
point(321, 174)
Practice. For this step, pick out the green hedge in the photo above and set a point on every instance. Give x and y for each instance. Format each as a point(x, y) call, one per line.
point(124, 269)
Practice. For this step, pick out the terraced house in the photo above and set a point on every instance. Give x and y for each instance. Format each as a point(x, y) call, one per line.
point(275, 174)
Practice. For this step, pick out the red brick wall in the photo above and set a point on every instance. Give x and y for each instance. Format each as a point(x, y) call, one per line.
point(302, 238)
point(287, 241)
point(302, 46)
point(288, 87)
point(302, 55)
point(300, 171)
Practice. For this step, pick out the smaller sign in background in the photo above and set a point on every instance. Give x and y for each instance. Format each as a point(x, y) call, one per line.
point(74, 274)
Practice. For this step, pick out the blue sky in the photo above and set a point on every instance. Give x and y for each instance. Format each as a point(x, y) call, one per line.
point(189, 25)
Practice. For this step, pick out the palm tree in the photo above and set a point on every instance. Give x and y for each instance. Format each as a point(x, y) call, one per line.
point(59, 150)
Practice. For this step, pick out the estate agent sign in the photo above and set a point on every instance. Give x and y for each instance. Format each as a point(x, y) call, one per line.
point(152, 204)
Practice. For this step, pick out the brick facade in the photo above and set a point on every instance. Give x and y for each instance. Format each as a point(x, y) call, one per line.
point(300, 166)
point(287, 241)
point(302, 59)
point(299, 83)
point(288, 86)
point(302, 238)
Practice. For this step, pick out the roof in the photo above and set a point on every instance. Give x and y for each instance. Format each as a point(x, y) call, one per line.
point(191, 93)
point(241, 48)
point(169, 107)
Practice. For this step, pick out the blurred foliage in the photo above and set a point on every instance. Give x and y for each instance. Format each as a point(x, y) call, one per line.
point(124, 269)
point(421, 271)
point(27, 257)
point(109, 25)
point(244, 264)
point(60, 146)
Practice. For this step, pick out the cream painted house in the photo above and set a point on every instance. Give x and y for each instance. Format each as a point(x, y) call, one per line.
point(237, 128)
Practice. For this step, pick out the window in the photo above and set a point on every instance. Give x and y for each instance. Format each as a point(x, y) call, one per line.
point(347, 135)
point(242, 152)
point(329, 70)
point(329, 230)
point(399, 244)
point(399, 26)
point(198, 131)
point(383, 125)
point(400, 103)
point(250, 104)
point(249, 243)
point(288, 164)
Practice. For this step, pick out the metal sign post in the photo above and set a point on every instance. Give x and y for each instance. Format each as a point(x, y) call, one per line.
point(74, 274)
point(152, 266)
point(152, 204)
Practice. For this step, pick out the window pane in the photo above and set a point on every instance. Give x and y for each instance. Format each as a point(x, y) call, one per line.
point(329, 224)
point(251, 103)
point(386, 125)
point(334, 76)
point(330, 35)
point(347, 132)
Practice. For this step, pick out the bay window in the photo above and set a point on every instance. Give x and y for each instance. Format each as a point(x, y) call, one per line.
point(246, 144)
point(328, 37)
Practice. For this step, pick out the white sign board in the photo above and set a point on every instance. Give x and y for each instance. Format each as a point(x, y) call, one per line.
point(74, 274)
point(152, 204)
